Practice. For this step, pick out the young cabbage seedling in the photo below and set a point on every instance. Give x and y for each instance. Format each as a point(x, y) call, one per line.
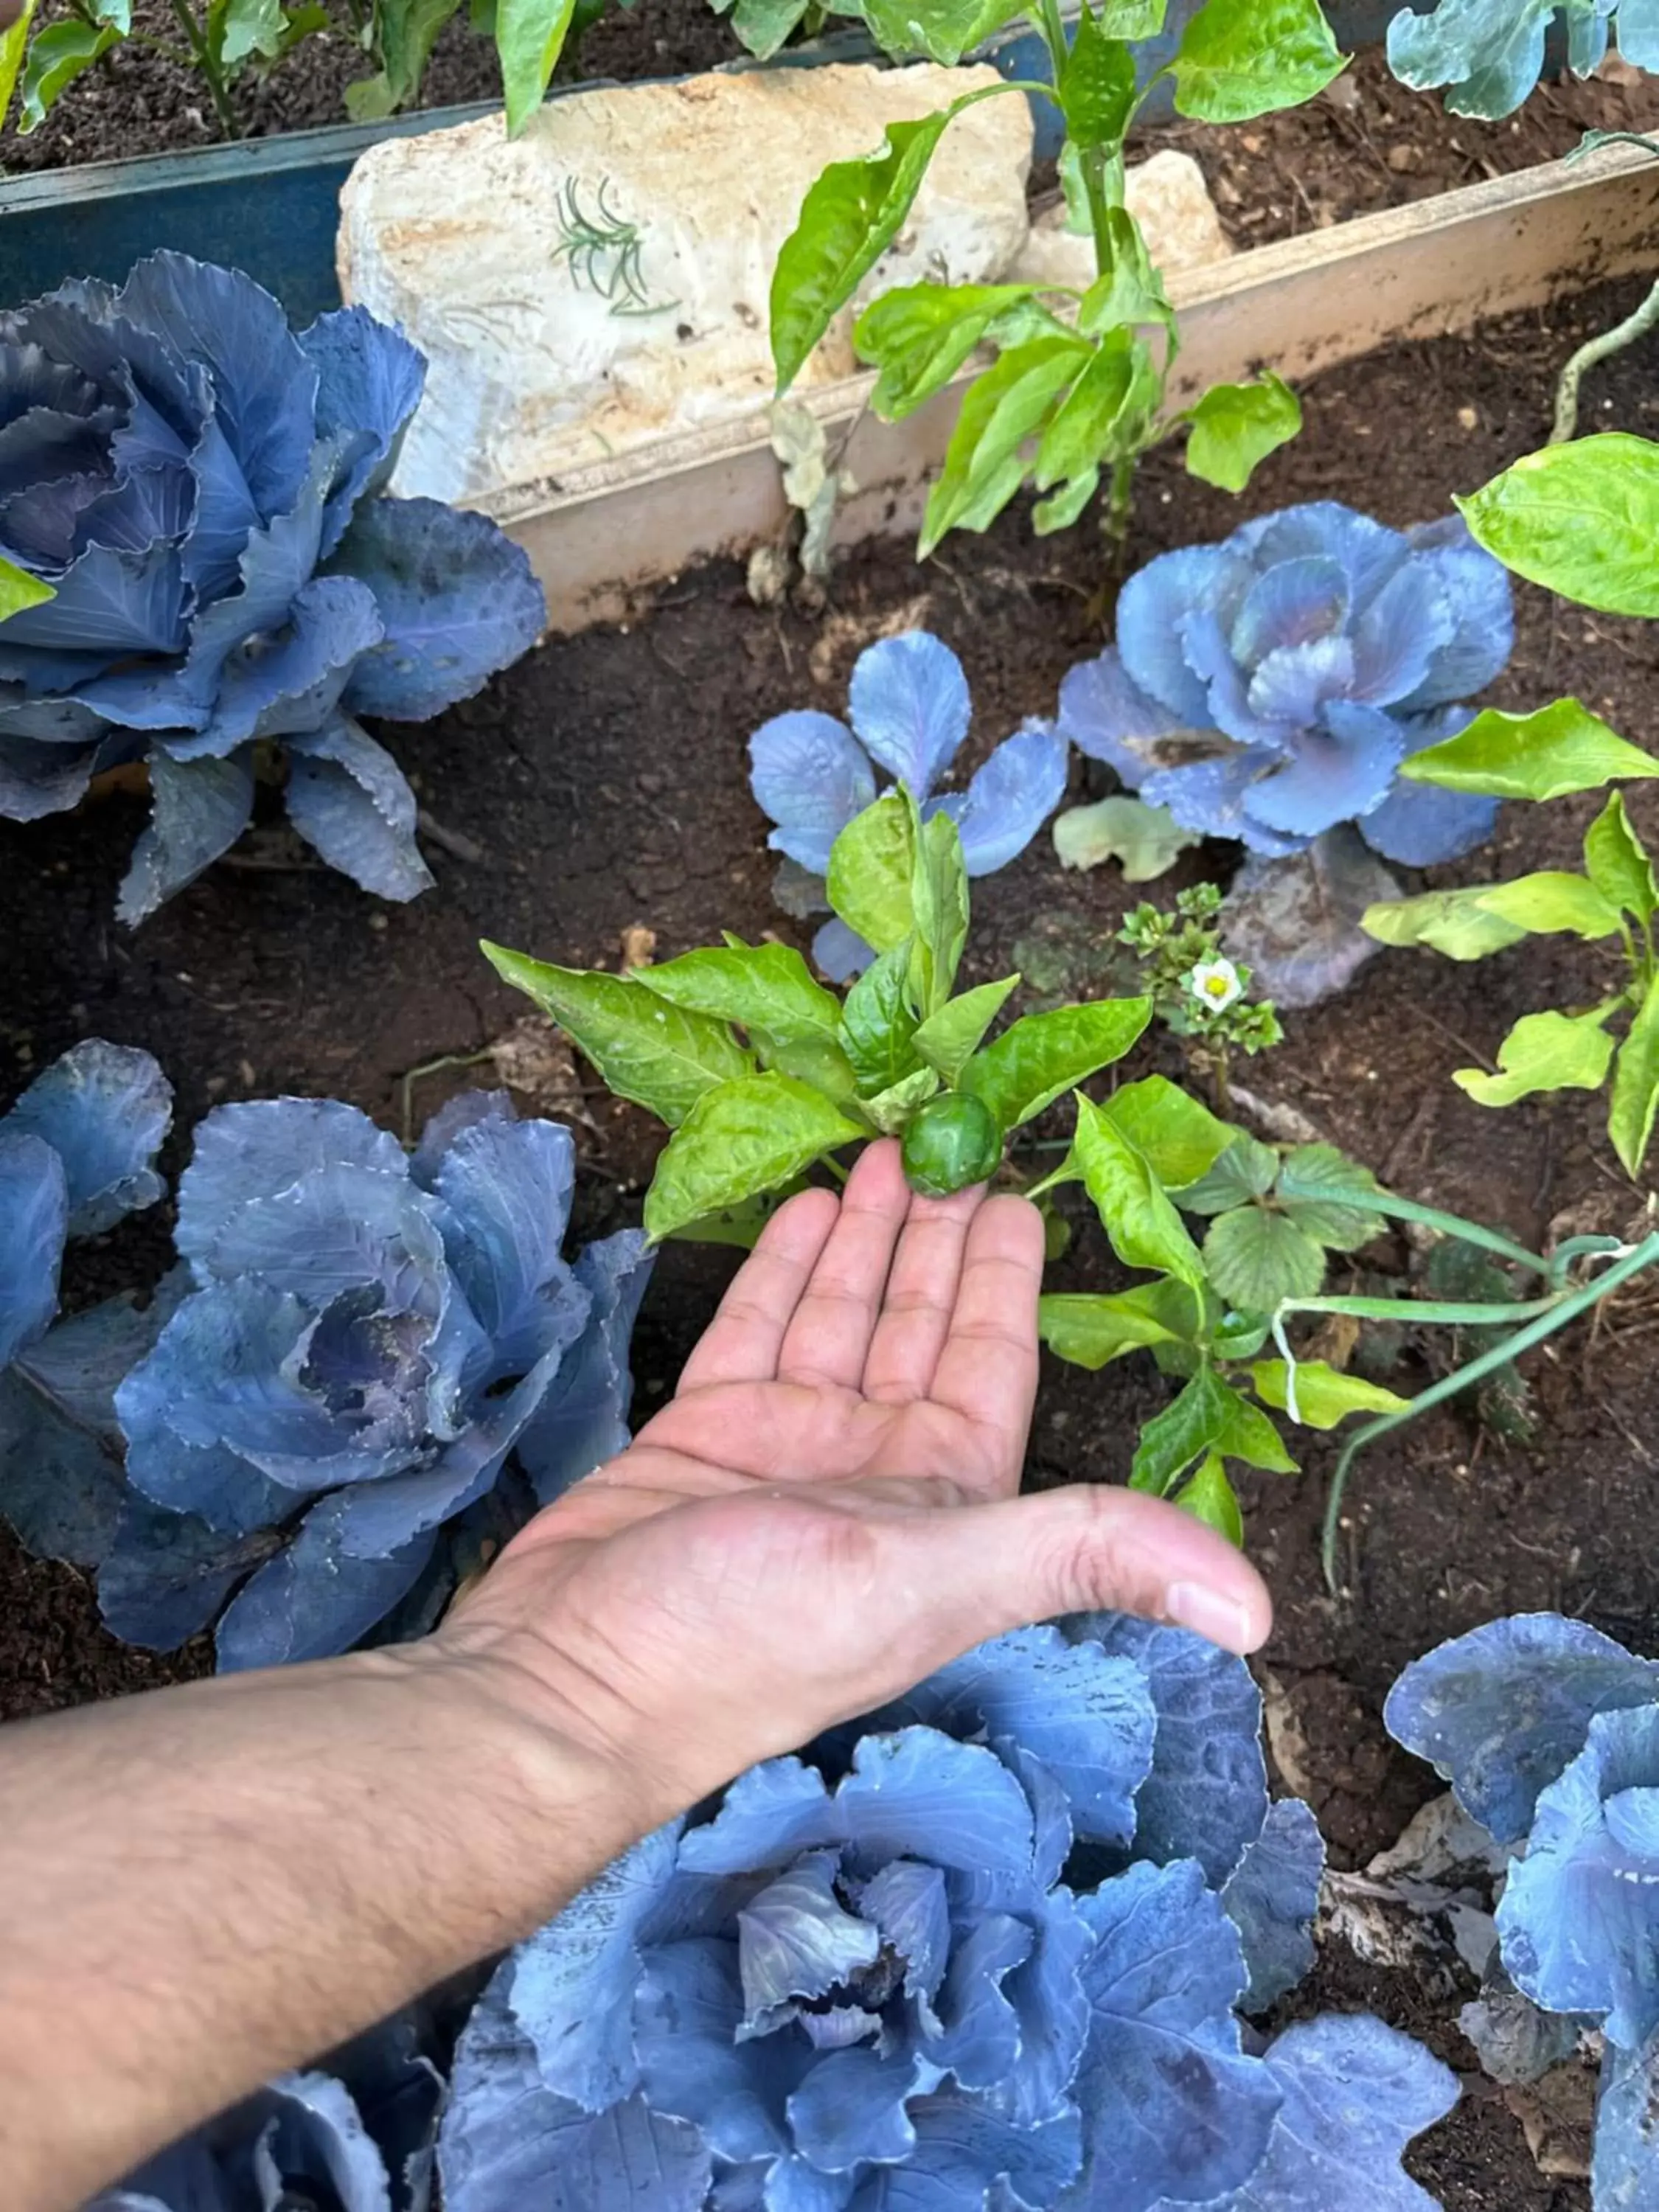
point(1076, 393)
point(763, 1074)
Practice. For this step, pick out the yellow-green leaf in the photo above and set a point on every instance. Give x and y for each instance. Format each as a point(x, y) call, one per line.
point(1456, 923)
point(1144, 1227)
point(1324, 1396)
point(1550, 902)
point(1635, 1086)
point(1557, 749)
point(739, 1140)
point(1543, 1052)
point(18, 589)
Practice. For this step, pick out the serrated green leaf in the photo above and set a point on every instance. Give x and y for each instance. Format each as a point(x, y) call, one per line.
point(1098, 420)
point(1039, 1056)
point(1143, 1227)
point(740, 1139)
point(1315, 1182)
point(1635, 1086)
point(871, 867)
point(1551, 902)
point(984, 463)
point(948, 1039)
point(1236, 426)
point(764, 986)
point(848, 219)
point(14, 41)
point(1543, 1052)
point(918, 335)
point(890, 1110)
point(1256, 1257)
point(1617, 862)
point(1090, 1329)
point(939, 909)
point(239, 29)
point(530, 36)
point(1324, 1396)
point(659, 1056)
point(1209, 1498)
point(1247, 1169)
point(63, 52)
point(1241, 58)
point(1582, 520)
point(1096, 86)
point(1452, 922)
point(878, 1024)
point(18, 589)
point(1559, 748)
point(1180, 1139)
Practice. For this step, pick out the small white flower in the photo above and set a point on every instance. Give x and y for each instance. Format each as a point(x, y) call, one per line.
point(1216, 982)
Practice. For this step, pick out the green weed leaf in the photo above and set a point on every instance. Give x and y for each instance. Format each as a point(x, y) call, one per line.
point(1255, 1258)
point(1246, 1170)
point(1559, 748)
point(1237, 426)
point(1456, 923)
point(1543, 1052)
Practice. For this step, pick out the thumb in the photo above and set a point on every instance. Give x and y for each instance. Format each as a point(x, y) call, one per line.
point(993, 1567)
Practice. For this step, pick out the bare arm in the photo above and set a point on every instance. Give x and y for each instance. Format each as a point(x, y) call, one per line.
point(204, 1885)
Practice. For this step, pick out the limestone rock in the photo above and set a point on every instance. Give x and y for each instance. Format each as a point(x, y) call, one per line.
point(542, 358)
point(1167, 197)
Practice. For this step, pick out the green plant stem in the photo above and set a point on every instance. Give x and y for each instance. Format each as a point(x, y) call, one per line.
point(1592, 352)
point(1561, 1311)
point(1451, 1224)
point(213, 77)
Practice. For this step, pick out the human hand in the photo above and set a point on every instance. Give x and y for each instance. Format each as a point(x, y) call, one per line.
point(828, 1510)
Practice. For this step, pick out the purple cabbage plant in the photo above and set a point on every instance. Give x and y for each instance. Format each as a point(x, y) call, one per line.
point(988, 1946)
point(368, 1372)
point(1548, 1732)
point(360, 2138)
point(196, 488)
point(1269, 687)
point(909, 709)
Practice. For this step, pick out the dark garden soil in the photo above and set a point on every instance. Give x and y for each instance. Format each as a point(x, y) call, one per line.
point(598, 790)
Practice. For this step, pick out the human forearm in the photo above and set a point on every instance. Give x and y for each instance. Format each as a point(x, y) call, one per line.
point(203, 1887)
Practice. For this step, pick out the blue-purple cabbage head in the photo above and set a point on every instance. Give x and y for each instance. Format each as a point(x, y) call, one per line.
point(986, 1947)
point(382, 1365)
point(1269, 687)
point(198, 487)
point(909, 708)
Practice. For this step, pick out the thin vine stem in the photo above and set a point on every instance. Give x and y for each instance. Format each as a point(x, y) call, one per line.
point(1561, 1310)
point(1590, 355)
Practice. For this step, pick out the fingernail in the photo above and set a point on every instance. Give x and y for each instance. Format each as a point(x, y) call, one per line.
point(1208, 1613)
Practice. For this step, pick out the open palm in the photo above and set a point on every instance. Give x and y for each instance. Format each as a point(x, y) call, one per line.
point(778, 1550)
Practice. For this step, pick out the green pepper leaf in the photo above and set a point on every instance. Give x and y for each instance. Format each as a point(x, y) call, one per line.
point(764, 26)
point(530, 36)
point(1180, 1139)
point(1635, 1086)
point(1256, 1258)
point(14, 42)
point(984, 464)
point(1617, 862)
point(1133, 18)
point(1208, 1496)
point(407, 31)
point(1237, 426)
point(878, 1024)
point(1582, 520)
point(918, 335)
point(1101, 416)
point(1130, 286)
point(890, 1110)
point(939, 909)
point(848, 219)
point(18, 589)
point(661, 1057)
point(1324, 1396)
point(764, 986)
point(1246, 1170)
point(1144, 1227)
point(1096, 86)
point(1028, 1067)
point(740, 1139)
point(943, 30)
point(1456, 923)
point(1208, 1416)
point(1553, 901)
point(947, 1040)
point(1090, 1329)
point(1240, 58)
point(872, 868)
point(1543, 1052)
point(1559, 748)
point(1062, 508)
point(241, 28)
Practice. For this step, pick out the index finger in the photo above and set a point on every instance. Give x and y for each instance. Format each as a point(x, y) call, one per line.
point(741, 1344)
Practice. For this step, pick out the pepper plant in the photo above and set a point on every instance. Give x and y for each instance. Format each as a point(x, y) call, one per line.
point(1076, 393)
